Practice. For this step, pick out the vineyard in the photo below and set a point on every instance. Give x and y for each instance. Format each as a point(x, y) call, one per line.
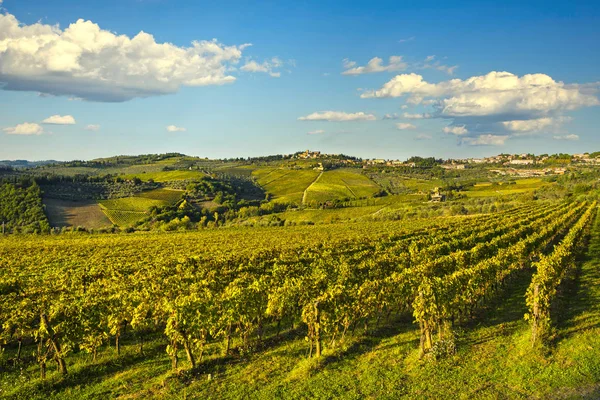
point(286, 185)
point(213, 297)
point(127, 211)
point(340, 184)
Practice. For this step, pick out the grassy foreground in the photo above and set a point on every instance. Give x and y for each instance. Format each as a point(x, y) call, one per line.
point(495, 360)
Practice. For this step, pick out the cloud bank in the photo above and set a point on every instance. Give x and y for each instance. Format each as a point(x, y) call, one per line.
point(338, 116)
point(268, 67)
point(489, 109)
point(59, 120)
point(403, 126)
point(91, 63)
point(26, 128)
point(173, 128)
point(395, 63)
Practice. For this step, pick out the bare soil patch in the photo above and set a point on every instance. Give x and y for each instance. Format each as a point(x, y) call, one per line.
point(84, 213)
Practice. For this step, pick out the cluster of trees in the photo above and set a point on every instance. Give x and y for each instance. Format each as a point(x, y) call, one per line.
point(95, 189)
point(121, 160)
point(210, 202)
point(21, 208)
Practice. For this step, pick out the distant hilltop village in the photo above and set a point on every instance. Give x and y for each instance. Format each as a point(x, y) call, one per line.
point(511, 164)
point(503, 164)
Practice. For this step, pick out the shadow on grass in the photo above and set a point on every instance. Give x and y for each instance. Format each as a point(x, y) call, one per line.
point(218, 363)
point(579, 309)
point(94, 373)
point(368, 341)
point(504, 312)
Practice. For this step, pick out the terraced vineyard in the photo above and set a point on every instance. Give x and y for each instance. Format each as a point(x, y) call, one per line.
point(214, 296)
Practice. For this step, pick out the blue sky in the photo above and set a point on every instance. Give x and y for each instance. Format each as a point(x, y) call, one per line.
point(466, 78)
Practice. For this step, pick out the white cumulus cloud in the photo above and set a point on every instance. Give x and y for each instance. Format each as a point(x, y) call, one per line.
point(528, 125)
point(395, 63)
point(59, 120)
point(173, 128)
point(423, 136)
point(567, 137)
point(268, 67)
point(456, 130)
point(92, 127)
point(405, 126)
point(493, 107)
point(416, 116)
point(317, 132)
point(338, 116)
point(496, 93)
point(26, 128)
point(485, 140)
point(91, 63)
point(431, 62)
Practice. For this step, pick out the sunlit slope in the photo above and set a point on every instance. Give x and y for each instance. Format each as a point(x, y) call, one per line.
point(308, 185)
point(340, 184)
point(285, 185)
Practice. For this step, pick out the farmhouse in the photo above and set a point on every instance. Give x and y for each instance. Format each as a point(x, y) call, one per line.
point(436, 196)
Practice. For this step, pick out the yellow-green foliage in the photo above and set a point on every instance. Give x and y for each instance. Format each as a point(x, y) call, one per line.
point(340, 184)
point(285, 185)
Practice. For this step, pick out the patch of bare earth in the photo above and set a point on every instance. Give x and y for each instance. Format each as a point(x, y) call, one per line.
point(84, 213)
